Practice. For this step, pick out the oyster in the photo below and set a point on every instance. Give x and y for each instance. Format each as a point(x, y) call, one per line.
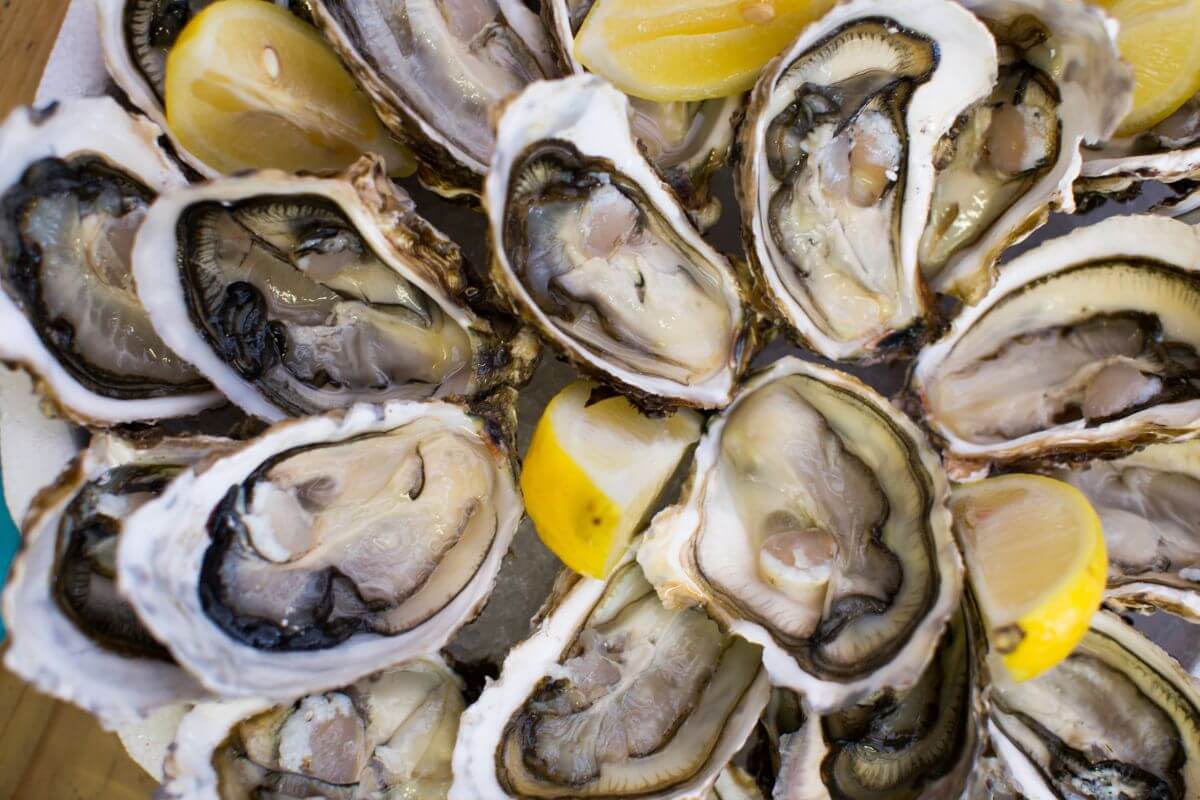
point(921, 743)
point(595, 252)
point(325, 549)
point(1087, 345)
point(1013, 158)
point(434, 71)
point(685, 141)
point(389, 735)
point(1118, 718)
point(298, 294)
point(1168, 152)
point(613, 696)
point(838, 151)
point(72, 634)
point(815, 525)
point(75, 183)
point(1149, 506)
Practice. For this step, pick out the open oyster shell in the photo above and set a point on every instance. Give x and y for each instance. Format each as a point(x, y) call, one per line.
point(72, 635)
point(1149, 505)
point(1088, 345)
point(390, 734)
point(837, 167)
point(435, 70)
point(815, 524)
point(1118, 718)
point(75, 183)
point(934, 733)
point(1168, 152)
point(1014, 157)
point(325, 549)
point(298, 294)
point(685, 141)
point(613, 696)
point(595, 252)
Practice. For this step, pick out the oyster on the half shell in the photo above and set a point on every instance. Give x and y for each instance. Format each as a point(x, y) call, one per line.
point(1118, 718)
point(388, 735)
point(815, 524)
point(613, 696)
point(1149, 505)
point(1013, 158)
point(71, 633)
point(595, 252)
point(435, 70)
point(837, 170)
point(1088, 345)
point(299, 294)
point(75, 184)
point(325, 549)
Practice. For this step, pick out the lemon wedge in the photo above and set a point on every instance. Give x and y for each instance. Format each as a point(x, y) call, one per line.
point(1158, 38)
point(669, 50)
point(1037, 565)
point(251, 86)
point(593, 471)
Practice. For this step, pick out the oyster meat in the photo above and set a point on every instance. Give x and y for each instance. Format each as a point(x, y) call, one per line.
point(1149, 506)
point(837, 169)
point(325, 549)
point(1087, 345)
point(595, 252)
point(1012, 158)
point(613, 696)
point(919, 744)
point(385, 737)
point(298, 294)
point(1118, 718)
point(815, 525)
point(75, 185)
point(72, 635)
point(435, 70)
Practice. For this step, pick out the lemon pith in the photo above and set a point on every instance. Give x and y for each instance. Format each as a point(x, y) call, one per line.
point(249, 86)
point(1037, 562)
point(669, 50)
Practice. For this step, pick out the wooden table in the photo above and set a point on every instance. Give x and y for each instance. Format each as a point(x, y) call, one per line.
point(50, 750)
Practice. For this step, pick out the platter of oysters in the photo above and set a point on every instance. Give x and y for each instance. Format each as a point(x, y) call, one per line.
point(466, 401)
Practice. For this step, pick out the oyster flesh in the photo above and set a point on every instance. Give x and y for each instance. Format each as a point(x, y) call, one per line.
point(613, 696)
point(919, 744)
point(1149, 506)
point(72, 635)
point(594, 251)
point(325, 549)
point(1013, 157)
point(435, 70)
point(1118, 718)
point(385, 737)
point(685, 141)
point(815, 525)
point(299, 294)
point(75, 184)
point(837, 169)
point(1088, 345)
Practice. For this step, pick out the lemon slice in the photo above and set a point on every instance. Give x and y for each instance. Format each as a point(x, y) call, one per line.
point(1158, 37)
point(593, 471)
point(1037, 564)
point(689, 49)
point(250, 86)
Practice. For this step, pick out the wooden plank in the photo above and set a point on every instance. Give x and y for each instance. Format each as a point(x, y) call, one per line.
point(27, 32)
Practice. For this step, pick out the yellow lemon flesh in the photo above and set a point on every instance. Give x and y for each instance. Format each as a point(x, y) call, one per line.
point(593, 471)
point(1037, 565)
point(250, 86)
point(1158, 38)
point(669, 50)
